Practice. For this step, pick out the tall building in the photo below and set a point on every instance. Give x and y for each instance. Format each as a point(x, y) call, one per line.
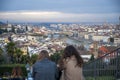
point(95, 47)
point(118, 26)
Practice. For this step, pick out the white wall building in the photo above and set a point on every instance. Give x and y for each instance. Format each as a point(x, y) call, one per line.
point(91, 29)
point(117, 40)
point(86, 58)
point(105, 30)
point(100, 37)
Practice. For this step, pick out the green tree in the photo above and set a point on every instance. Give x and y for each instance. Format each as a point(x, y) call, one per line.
point(1, 51)
point(5, 30)
point(25, 59)
point(92, 57)
point(10, 49)
point(18, 55)
point(111, 39)
point(1, 56)
point(13, 29)
point(34, 58)
point(26, 28)
point(56, 56)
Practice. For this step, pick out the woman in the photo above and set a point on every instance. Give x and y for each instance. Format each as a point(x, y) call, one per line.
point(71, 63)
point(16, 73)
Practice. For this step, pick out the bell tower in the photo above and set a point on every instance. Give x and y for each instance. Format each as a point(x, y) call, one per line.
point(95, 47)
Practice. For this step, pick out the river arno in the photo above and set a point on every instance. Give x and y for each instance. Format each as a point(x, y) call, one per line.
point(69, 40)
point(78, 43)
point(72, 41)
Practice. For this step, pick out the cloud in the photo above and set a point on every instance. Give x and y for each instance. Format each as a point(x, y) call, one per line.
point(46, 16)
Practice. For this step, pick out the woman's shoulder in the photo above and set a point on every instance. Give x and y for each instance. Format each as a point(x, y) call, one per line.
point(71, 61)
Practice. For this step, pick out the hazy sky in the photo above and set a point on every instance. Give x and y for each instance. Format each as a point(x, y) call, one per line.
point(60, 10)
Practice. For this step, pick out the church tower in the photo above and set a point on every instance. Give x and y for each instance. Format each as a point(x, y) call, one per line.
point(95, 49)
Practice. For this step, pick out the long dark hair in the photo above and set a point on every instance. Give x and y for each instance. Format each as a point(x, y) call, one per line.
point(70, 51)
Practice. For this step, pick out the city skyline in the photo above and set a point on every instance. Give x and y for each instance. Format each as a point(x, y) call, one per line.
point(60, 11)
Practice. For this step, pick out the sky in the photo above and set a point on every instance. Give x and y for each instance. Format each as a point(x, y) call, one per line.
point(60, 10)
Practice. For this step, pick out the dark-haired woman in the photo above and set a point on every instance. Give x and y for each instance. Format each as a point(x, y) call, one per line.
point(71, 63)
